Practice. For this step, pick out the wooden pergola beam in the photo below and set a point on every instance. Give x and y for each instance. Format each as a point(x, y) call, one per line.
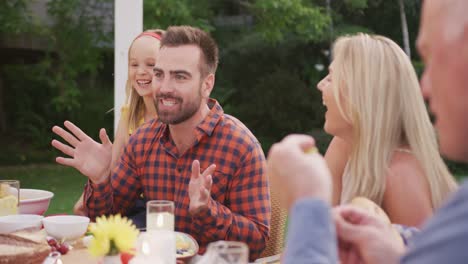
point(128, 23)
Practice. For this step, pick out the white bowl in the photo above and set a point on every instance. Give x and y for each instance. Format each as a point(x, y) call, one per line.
point(67, 227)
point(11, 223)
point(33, 201)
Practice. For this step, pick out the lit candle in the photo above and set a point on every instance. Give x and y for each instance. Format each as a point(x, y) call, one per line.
point(160, 221)
point(160, 215)
point(156, 246)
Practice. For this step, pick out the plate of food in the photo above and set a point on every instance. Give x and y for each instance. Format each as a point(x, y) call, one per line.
point(186, 246)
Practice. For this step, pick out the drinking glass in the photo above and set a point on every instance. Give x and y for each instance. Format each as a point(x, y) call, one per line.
point(160, 215)
point(229, 252)
point(9, 197)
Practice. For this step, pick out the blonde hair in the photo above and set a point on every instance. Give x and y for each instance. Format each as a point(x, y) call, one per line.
point(379, 95)
point(134, 102)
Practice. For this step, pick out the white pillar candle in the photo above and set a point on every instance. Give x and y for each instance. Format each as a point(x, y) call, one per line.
point(156, 246)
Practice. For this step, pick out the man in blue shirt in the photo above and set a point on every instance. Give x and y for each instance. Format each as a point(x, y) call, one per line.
point(315, 231)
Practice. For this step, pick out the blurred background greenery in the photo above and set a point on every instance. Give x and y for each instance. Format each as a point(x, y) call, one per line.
point(272, 54)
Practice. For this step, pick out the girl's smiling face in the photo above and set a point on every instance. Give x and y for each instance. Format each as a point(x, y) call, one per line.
point(142, 59)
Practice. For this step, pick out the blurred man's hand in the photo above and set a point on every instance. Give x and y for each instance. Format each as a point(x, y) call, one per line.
point(296, 171)
point(365, 238)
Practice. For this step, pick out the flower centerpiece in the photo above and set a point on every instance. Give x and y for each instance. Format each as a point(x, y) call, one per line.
point(111, 236)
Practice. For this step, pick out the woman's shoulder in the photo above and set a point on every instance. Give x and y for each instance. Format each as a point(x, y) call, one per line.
point(407, 197)
point(405, 170)
point(404, 164)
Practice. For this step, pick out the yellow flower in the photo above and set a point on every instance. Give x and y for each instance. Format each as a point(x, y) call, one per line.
point(112, 235)
point(99, 246)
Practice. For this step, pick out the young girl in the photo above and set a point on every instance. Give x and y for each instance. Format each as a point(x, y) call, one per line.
point(385, 148)
point(139, 108)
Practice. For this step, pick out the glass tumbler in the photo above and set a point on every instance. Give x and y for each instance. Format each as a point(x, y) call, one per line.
point(9, 197)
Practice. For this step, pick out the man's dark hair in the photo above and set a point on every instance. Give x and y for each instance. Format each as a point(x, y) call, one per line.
point(187, 35)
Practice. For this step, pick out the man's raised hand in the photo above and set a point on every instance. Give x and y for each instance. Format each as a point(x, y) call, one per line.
point(86, 155)
point(200, 187)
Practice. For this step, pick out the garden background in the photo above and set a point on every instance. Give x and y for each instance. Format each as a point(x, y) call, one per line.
point(272, 54)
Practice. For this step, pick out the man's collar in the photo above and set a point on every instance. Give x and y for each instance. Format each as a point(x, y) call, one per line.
point(208, 124)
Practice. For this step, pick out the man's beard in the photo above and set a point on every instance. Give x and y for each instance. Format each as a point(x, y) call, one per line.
point(184, 112)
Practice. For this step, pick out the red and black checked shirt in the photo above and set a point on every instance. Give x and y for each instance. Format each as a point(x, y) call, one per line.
point(240, 206)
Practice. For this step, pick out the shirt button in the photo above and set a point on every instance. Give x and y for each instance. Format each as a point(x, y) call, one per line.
point(179, 169)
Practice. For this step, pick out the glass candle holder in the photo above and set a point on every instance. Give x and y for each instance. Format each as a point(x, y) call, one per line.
point(156, 247)
point(160, 215)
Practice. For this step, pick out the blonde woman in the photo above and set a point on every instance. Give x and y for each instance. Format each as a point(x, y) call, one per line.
point(385, 148)
point(139, 108)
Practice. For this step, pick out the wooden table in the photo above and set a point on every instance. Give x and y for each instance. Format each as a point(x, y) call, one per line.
point(78, 256)
point(81, 255)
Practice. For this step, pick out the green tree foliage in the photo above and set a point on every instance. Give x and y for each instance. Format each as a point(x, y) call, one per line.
point(164, 13)
point(378, 17)
point(269, 68)
point(277, 18)
point(50, 90)
point(14, 17)
point(272, 55)
point(356, 4)
point(271, 87)
point(73, 51)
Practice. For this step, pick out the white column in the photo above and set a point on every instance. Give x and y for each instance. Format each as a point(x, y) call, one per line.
point(128, 23)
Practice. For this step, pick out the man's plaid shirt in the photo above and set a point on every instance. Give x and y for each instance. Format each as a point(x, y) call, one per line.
point(239, 208)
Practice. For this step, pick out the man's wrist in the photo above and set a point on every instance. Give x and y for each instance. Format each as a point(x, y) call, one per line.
point(200, 209)
point(102, 179)
point(322, 195)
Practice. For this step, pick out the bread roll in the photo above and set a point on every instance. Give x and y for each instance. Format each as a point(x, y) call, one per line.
point(375, 210)
point(18, 250)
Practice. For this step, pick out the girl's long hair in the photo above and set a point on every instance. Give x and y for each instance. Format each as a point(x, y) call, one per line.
point(134, 102)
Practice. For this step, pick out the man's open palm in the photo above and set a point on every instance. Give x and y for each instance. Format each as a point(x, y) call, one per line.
point(86, 155)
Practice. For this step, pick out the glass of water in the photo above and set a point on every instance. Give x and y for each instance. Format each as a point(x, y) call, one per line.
point(160, 215)
point(9, 197)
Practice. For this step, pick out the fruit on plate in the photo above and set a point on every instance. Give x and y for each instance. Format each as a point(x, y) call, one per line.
point(186, 246)
point(125, 257)
point(63, 248)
